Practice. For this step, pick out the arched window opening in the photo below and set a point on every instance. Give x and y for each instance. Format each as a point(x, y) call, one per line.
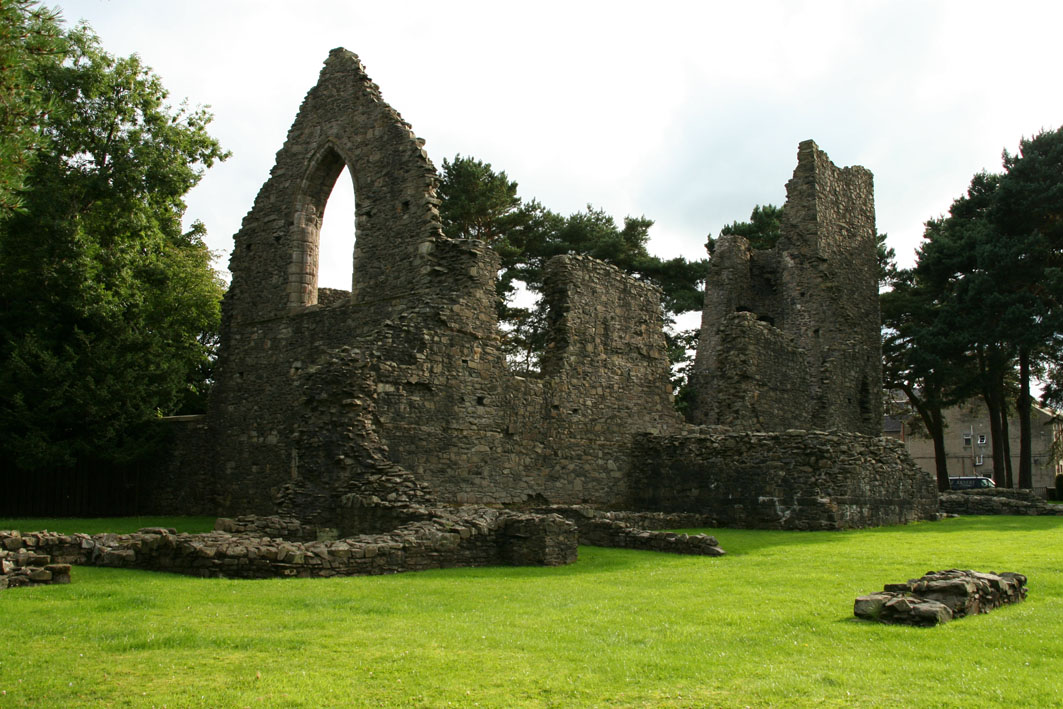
point(336, 241)
point(326, 264)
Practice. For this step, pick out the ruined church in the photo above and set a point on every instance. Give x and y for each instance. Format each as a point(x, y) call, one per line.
point(345, 408)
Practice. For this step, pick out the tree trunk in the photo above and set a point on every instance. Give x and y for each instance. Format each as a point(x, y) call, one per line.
point(1005, 435)
point(991, 395)
point(1022, 404)
point(940, 460)
point(929, 409)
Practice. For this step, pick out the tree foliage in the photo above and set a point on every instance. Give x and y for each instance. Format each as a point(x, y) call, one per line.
point(30, 35)
point(762, 231)
point(993, 269)
point(108, 308)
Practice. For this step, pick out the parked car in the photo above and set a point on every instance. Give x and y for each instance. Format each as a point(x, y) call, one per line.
point(971, 482)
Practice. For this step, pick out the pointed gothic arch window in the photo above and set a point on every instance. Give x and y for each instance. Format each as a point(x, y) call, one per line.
point(336, 241)
point(306, 271)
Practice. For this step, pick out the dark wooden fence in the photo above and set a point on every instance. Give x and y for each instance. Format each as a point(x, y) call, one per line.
point(88, 489)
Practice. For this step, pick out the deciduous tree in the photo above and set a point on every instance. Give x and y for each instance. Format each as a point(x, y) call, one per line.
point(108, 307)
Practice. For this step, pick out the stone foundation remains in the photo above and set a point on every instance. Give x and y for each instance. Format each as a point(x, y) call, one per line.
point(940, 596)
point(994, 501)
point(482, 538)
point(626, 530)
point(21, 566)
point(353, 411)
point(264, 547)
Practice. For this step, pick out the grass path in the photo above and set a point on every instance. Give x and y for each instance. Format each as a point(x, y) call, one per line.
point(768, 625)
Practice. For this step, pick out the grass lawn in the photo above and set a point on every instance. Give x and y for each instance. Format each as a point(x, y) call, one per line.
point(768, 625)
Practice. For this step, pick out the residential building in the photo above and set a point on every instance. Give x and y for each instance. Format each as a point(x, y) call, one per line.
point(968, 443)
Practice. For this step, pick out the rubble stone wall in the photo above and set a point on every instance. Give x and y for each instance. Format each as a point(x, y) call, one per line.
point(476, 538)
point(997, 502)
point(788, 480)
point(941, 596)
point(766, 375)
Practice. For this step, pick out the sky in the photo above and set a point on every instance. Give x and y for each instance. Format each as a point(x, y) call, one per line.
point(688, 113)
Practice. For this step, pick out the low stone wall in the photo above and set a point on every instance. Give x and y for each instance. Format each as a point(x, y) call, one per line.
point(940, 596)
point(993, 501)
point(788, 480)
point(22, 567)
point(654, 520)
point(273, 527)
point(628, 530)
point(481, 537)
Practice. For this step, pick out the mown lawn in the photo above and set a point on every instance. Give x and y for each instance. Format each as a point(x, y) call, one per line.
point(768, 625)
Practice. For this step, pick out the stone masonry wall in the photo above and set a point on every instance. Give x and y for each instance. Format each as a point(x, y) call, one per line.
point(787, 480)
point(766, 375)
point(996, 501)
point(818, 287)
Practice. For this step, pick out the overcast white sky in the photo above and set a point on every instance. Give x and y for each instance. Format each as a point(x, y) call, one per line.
point(686, 112)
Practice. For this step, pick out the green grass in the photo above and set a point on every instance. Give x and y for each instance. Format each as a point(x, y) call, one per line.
point(768, 625)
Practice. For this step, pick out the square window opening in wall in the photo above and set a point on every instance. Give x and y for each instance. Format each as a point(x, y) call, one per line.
point(979, 460)
point(966, 439)
point(981, 439)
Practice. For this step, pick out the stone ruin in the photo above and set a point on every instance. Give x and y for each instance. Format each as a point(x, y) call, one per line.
point(941, 596)
point(359, 412)
point(996, 501)
point(267, 547)
point(791, 334)
point(27, 566)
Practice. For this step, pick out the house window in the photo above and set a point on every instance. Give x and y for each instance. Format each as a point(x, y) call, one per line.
point(966, 439)
point(979, 460)
point(981, 439)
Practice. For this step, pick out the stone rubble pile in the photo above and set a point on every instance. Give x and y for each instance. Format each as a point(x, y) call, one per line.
point(940, 596)
point(24, 566)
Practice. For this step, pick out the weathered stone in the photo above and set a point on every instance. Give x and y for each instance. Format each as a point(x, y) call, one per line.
point(940, 596)
point(790, 335)
point(750, 479)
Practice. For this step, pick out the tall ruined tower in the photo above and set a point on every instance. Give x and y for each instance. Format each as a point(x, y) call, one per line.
point(790, 336)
